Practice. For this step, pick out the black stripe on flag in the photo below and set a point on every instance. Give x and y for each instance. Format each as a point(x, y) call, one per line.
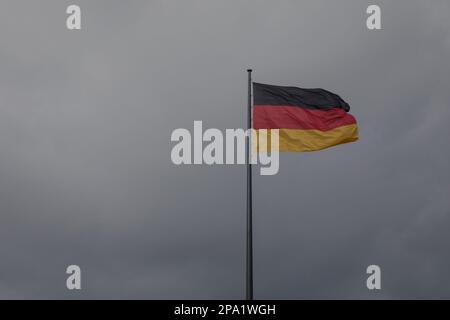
point(269, 95)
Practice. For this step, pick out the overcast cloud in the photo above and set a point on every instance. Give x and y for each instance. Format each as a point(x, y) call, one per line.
point(85, 170)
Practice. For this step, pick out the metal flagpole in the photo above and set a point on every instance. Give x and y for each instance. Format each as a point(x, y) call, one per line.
point(249, 273)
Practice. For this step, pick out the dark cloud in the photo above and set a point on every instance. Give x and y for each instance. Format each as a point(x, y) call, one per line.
point(86, 176)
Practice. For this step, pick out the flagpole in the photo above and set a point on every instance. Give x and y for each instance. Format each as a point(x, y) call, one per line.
point(249, 272)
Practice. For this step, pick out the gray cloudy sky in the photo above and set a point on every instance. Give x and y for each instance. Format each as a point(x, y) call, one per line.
point(85, 170)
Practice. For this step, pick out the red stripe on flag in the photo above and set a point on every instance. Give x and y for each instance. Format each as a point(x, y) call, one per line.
point(291, 117)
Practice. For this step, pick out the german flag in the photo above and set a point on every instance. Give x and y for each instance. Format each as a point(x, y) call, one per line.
point(307, 119)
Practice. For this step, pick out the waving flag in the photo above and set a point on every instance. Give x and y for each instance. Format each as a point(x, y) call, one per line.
point(307, 119)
